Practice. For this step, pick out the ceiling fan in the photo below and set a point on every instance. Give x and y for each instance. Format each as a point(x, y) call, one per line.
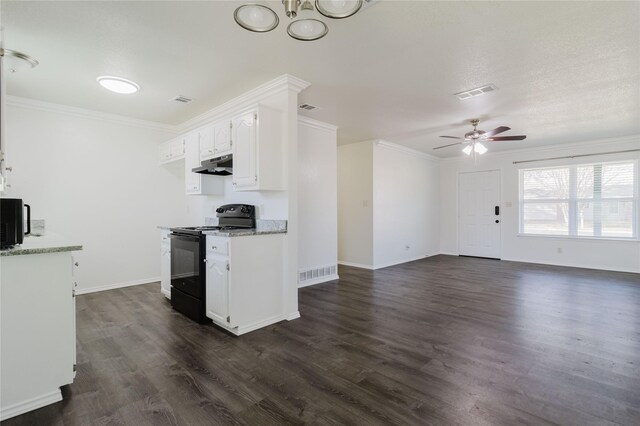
point(473, 139)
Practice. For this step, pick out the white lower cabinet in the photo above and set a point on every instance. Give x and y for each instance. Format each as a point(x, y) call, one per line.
point(218, 289)
point(37, 330)
point(165, 263)
point(245, 281)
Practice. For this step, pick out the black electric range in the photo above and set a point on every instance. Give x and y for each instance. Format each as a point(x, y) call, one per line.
point(188, 271)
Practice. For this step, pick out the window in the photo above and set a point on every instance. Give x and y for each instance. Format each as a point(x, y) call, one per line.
point(585, 200)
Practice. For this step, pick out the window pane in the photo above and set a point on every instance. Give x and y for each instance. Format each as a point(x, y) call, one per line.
point(585, 181)
point(617, 219)
point(617, 180)
point(546, 218)
point(543, 184)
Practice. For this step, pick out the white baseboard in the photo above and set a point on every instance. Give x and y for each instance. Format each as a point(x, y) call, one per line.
point(574, 265)
point(118, 285)
point(399, 262)
point(167, 293)
point(319, 280)
point(293, 315)
point(355, 265)
point(30, 404)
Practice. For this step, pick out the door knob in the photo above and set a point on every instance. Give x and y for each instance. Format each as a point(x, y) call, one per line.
point(497, 221)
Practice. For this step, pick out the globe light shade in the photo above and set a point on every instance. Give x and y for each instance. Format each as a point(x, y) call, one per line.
point(338, 9)
point(256, 18)
point(307, 29)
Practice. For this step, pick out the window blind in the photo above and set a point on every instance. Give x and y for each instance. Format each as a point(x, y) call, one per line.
point(585, 200)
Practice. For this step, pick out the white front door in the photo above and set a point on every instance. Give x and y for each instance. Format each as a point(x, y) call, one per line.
point(479, 214)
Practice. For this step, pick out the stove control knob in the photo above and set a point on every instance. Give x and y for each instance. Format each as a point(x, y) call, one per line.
point(244, 209)
point(219, 210)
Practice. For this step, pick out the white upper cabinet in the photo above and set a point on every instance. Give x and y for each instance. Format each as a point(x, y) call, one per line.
point(206, 143)
point(222, 138)
point(172, 150)
point(215, 140)
point(258, 155)
point(198, 184)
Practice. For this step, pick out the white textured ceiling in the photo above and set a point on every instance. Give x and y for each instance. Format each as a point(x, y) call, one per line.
point(566, 71)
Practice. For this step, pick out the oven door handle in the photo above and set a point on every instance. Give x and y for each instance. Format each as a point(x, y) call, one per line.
point(184, 237)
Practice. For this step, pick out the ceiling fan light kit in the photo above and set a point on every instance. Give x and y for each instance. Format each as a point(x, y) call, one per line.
point(475, 137)
point(260, 18)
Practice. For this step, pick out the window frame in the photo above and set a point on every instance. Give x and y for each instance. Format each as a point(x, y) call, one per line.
point(573, 201)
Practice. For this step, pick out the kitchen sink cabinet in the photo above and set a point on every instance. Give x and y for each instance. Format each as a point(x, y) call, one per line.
point(245, 281)
point(258, 150)
point(195, 183)
point(215, 140)
point(165, 263)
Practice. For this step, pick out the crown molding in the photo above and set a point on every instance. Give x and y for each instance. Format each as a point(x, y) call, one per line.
point(253, 96)
point(598, 143)
point(20, 102)
point(310, 122)
point(405, 150)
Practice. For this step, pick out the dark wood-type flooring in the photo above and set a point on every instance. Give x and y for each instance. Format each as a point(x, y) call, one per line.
point(440, 341)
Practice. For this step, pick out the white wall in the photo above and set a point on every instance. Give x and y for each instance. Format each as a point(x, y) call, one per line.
point(317, 197)
point(387, 201)
point(355, 206)
point(95, 179)
point(405, 205)
point(589, 253)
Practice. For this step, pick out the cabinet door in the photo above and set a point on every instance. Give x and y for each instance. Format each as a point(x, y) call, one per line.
point(192, 160)
point(222, 137)
point(245, 150)
point(164, 152)
point(217, 292)
point(165, 270)
point(206, 142)
point(177, 148)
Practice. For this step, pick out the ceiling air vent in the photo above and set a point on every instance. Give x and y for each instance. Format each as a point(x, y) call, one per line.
point(308, 107)
point(182, 99)
point(476, 92)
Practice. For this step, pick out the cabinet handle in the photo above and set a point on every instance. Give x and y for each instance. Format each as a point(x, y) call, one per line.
point(76, 263)
point(206, 261)
point(234, 184)
point(214, 247)
point(9, 169)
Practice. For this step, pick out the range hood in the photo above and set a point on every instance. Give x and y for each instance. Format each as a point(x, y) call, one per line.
point(219, 166)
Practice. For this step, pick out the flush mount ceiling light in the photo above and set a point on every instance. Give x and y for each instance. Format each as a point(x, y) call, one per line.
point(118, 84)
point(260, 18)
point(17, 61)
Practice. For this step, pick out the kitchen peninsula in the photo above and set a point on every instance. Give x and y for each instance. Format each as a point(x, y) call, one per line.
point(37, 323)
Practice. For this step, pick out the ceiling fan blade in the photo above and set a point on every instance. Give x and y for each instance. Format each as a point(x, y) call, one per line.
point(507, 138)
point(497, 130)
point(451, 137)
point(451, 144)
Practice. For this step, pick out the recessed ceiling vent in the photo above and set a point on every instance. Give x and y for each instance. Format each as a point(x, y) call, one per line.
point(308, 107)
point(182, 99)
point(476, 92)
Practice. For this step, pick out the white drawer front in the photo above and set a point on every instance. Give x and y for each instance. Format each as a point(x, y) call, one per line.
point(217, 245)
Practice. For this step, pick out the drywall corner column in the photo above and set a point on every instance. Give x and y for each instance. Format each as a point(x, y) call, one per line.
point(317, 202)
point(355, 204)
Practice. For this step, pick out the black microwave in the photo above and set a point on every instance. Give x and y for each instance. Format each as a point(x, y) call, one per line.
point(12, 221)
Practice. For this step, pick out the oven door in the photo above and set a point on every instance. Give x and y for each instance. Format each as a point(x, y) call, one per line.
point(187, 271)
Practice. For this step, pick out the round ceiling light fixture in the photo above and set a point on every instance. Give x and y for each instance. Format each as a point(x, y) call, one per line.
point(118, 84)
point(307, 29)
point(256, 18)
point(338, 9)
point(17, 61)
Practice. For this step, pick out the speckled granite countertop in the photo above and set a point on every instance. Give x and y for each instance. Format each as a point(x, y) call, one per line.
point(41, 245)
point(244, 232)
point(263, 227)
